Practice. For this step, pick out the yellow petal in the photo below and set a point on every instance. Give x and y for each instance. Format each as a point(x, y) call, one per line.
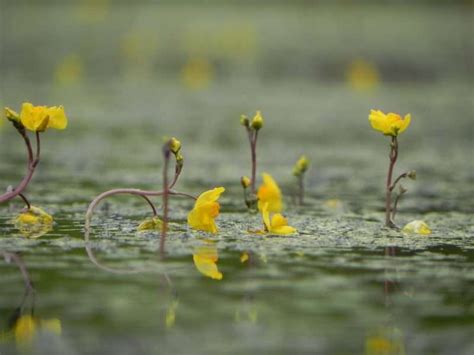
point(278, 221)
point(57, 117)
point(283, 230)
point(405, 123)
point(209, 196)
point(270, 193)
point(266, 217)
point(378, 120)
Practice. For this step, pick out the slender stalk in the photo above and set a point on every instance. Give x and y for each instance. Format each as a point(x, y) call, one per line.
point(388, 199)
point(21, 265)
point(300, 190)
point(166, 191)
point(32, 163)
point(402, 176)
point(395, 205)
point(25, 200)
point(253, 147)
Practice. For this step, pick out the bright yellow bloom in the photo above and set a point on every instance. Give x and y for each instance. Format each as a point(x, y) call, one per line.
point(269, 193)
point(417, 227)
point(244, 257)
point(206, 208)
point(34, 223)
point(26, 328)
point(257, 121)
point(151, 223)
point(301, 166)
point(39, 118)
point(390, 124)
point(205, 259)
point(278, 224)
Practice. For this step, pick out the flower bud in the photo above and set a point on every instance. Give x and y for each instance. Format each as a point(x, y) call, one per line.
point(179, 159)
point(411, 174)
point(257, 121)
point(244, 121)
point(401, 190)
point(245, 181)
point(11, 115)
point(301, 166)
point(175, 145)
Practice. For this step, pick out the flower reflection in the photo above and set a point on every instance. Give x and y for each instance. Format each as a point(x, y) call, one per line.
point(205, 260)
point(34, 223)
point(385, 341)
point(24, 326)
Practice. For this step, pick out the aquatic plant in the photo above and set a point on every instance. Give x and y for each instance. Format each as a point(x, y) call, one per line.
point(201, 217)
point(252, 128)
point(36, 119)
point(392, 125)
point(269, 193)
point(299, 171)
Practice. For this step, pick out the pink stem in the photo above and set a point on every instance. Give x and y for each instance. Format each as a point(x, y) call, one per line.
point(388, 199)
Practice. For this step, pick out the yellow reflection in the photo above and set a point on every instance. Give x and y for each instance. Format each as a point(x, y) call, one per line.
point(197, 73)
point(170, 318)
point(362, 75)
point(27, 327)
point(69, 71)
point(385, 341)
point(205, 260)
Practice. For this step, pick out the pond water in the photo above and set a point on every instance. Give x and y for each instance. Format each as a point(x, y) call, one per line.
point(342, 285)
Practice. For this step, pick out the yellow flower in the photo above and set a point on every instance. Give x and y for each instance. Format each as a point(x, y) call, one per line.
point(278, 224)
point(39, 118)
point(205, 259)
point(417, 227)
point(205, 210)
point(301, 166)
point(257, 121)
point(269, 193)
point(151, 223)
point(390, 124)
point(34, 223)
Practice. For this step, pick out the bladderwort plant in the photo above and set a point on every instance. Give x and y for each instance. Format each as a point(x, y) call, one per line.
point(252, 128)
point(205, 210)
point(36, 119)
point(392, 125)
point(299, 171)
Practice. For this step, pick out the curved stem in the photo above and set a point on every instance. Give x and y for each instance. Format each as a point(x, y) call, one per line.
point(32, 163)
point(253, 147)
point(300, 190)
point(90, 210)
point(402, 176)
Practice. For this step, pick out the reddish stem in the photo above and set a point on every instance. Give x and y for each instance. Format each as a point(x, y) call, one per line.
point(300, 190)
point(166, 153)
point(388, 199)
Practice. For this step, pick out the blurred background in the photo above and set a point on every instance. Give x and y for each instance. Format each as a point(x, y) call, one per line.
point(130, 72)
point(144, 69)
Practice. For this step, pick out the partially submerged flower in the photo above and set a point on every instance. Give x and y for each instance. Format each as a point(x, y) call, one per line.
point(269, 193)
point(417, 227)
point(34, 223)
point(390, 124)
point(150, 224)
point(39, 118)
point(277, 224)
point(205, 259)
point(206, 209)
